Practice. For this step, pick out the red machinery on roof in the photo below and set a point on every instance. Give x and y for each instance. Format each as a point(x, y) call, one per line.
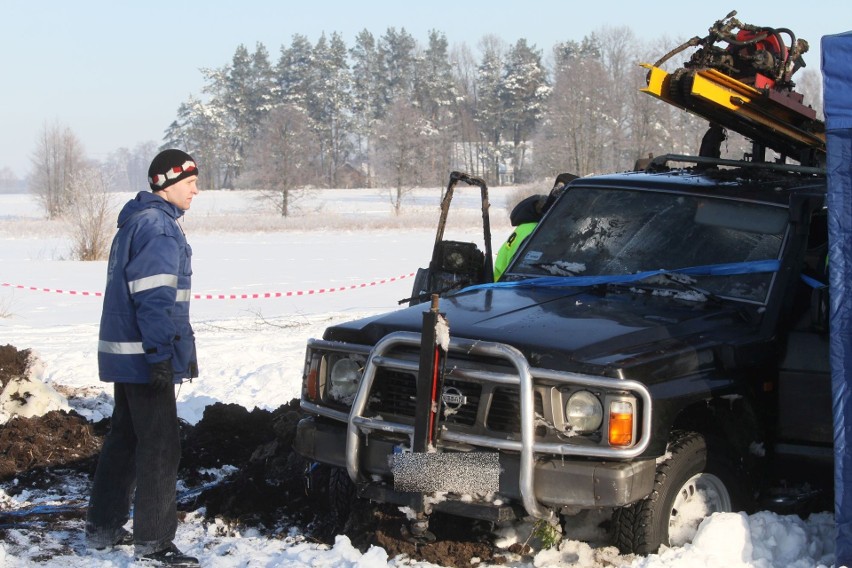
point(746, 87)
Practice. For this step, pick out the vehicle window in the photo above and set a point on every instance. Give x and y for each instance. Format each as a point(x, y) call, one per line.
point(611, 232)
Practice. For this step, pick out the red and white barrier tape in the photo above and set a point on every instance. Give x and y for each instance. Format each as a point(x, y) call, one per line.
point(56, 290)
point(259, 295)
point(299, 292)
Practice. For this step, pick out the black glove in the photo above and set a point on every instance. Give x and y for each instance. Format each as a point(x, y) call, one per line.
point(162, 375)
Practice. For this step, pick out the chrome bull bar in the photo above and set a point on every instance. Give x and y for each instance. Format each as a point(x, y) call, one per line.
point(523, 377)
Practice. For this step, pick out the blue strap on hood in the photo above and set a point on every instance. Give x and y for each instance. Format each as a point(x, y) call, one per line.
point(727, 269)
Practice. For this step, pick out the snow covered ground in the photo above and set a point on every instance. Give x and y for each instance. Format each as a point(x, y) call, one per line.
point(344, 257)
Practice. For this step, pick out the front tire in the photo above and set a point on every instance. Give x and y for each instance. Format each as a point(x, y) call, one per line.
point(334, 493)
point(341, 495)
point(689, 486)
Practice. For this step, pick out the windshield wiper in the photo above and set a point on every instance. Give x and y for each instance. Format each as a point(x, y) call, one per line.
point(684, 283)
point(561, 268)
point(653, 285)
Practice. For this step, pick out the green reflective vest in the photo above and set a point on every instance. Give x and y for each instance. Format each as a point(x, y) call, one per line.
point(512, 244)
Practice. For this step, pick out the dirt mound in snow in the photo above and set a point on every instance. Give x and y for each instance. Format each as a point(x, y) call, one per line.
point(30, 446)
point(57, 440)
point(13, 363)
point(457, 540)
point(265, 487)
point(270, 489)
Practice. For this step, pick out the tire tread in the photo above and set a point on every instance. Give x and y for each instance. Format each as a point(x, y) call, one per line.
point(633, 524)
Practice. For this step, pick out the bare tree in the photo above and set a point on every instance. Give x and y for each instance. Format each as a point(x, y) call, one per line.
point(489, 112)
point(575, 136)
point(57, 157)
point(464, 150)
point(284, 158)
point(403, 138)
point(90, 214)
point(130, 167)
point(8, 180)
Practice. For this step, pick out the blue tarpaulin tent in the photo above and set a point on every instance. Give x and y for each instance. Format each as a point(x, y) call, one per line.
point(837, 92)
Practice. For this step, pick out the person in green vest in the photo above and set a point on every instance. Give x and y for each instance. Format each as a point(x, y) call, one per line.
point(525, 217)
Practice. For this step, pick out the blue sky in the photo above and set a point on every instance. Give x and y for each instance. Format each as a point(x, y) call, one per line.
point(115, 72)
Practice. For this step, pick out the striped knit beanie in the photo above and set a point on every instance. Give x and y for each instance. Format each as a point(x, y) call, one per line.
point(169, 167)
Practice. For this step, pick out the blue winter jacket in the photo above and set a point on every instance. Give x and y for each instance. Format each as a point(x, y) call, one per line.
point(145, 315)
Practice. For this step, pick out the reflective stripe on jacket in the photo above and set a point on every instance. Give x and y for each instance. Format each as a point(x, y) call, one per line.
point(145, 315)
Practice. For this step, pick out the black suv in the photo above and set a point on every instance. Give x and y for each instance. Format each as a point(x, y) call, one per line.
point(656, 347)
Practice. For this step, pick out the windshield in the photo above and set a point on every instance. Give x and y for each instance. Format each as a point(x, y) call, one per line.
point(612, 232)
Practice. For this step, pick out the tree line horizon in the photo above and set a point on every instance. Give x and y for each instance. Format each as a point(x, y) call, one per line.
point(389, 111)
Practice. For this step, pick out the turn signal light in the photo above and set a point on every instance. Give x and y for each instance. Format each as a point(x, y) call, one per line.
point(312, 387)
point(620, 423)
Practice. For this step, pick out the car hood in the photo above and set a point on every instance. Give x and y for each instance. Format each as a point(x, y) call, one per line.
point(564, 328)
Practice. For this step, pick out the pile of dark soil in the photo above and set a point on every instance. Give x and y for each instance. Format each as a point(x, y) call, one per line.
point(270, 490)
point(267, 489)
point(30, 447)
point(13, 363)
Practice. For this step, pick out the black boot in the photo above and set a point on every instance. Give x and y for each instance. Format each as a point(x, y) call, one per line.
point(171, 556)
point(123, 539)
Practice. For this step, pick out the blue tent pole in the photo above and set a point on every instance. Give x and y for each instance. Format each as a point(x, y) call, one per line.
point(837, 84)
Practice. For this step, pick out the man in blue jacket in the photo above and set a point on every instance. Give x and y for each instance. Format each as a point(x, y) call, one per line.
point(146, 346)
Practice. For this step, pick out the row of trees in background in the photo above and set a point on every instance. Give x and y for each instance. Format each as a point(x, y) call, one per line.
point(404, 114)
point(391, 112)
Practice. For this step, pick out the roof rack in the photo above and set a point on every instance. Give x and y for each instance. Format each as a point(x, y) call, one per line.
point(660, 162)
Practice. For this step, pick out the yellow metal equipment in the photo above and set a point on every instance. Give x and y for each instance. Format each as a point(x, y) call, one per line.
point(731, 89)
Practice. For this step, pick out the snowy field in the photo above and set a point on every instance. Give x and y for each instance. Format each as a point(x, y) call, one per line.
point(262, 286)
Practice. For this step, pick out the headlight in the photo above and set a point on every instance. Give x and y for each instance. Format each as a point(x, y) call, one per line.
point(583, 412)
point(344, 378)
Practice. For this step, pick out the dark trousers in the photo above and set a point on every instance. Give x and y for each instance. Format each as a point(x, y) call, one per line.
point(141, 452)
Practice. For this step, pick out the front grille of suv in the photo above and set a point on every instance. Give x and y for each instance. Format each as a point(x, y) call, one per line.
point(505, 412)
point(394, 394)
